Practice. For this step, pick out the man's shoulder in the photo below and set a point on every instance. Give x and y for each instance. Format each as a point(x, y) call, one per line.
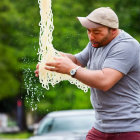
point(125, 42)
point(127, 38)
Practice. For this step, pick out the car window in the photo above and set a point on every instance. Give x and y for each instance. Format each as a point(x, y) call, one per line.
point(45, 126)
point(69, 123)
point(73, 123)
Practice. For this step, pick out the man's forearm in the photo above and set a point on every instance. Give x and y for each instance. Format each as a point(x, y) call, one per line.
point(73, 58)
point(91, 78)
point(101, 79)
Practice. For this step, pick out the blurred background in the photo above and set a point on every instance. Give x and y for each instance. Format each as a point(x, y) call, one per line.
point(23, 102)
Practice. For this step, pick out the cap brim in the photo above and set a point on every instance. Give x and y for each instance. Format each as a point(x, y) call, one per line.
point(87, 23)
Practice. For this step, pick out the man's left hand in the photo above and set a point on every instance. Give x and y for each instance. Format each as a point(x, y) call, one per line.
point(61, 64)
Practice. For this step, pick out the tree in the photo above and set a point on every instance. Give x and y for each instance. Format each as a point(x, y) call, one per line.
point(19, 43)
point(8, 55)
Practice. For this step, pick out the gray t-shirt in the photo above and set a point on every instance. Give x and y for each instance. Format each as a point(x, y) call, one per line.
point(118, 109)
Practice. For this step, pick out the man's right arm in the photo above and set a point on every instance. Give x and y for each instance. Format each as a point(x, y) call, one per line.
point(70, 56)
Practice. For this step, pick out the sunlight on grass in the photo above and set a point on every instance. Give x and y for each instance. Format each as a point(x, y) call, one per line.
point(22, 135)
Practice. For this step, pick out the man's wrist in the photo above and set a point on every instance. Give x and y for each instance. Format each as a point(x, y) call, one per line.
point(74, 71)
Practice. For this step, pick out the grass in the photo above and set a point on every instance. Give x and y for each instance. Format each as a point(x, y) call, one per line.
point(21, 135)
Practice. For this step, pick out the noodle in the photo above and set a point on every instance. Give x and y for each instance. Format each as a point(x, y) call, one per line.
point(47, 52)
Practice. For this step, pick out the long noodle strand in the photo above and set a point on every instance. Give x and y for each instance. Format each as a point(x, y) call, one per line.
point(47, 51)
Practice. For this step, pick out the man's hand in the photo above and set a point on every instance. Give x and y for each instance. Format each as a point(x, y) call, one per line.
point(37, 70)
point(61, 64)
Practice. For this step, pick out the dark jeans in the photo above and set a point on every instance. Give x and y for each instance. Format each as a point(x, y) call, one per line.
point(94, 134)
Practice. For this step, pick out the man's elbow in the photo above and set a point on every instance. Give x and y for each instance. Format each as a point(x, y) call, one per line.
point(105, 87)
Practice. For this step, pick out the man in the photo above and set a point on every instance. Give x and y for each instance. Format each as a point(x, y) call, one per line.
point(112, 61)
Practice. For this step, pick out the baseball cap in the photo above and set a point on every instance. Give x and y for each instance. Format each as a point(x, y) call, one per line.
point(103, 16)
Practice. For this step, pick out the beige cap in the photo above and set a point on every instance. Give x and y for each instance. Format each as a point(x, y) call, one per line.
point(100, 16)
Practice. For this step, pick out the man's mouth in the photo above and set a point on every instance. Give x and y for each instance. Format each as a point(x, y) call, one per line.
point(94, 44)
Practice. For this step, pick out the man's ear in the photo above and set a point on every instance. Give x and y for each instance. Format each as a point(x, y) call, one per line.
point(114, 31)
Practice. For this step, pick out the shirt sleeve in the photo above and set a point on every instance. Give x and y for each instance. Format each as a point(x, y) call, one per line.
point(83, 56)
point(122, 57)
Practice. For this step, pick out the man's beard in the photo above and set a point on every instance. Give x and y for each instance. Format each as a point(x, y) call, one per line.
point(101, 43)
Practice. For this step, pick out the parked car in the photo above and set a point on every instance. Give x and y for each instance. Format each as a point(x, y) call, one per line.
point(65, 125)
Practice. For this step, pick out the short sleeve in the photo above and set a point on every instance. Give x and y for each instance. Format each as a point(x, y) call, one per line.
point(121, 57)
point(83, 56)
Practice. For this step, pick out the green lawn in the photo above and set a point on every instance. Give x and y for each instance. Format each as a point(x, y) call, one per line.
point(21, 135)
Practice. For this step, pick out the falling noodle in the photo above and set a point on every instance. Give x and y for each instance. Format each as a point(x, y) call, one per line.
point(47, 51)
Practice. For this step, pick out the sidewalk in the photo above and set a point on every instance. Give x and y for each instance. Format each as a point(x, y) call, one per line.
point(9, 129)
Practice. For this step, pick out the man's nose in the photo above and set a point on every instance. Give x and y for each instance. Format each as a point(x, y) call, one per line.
point(91, 37)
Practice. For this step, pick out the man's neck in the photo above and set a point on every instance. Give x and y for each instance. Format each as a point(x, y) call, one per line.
point(116, 34)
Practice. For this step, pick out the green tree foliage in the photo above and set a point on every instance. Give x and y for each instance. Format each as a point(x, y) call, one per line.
point(19, 43)
point(8, 54)
point(129, 14)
